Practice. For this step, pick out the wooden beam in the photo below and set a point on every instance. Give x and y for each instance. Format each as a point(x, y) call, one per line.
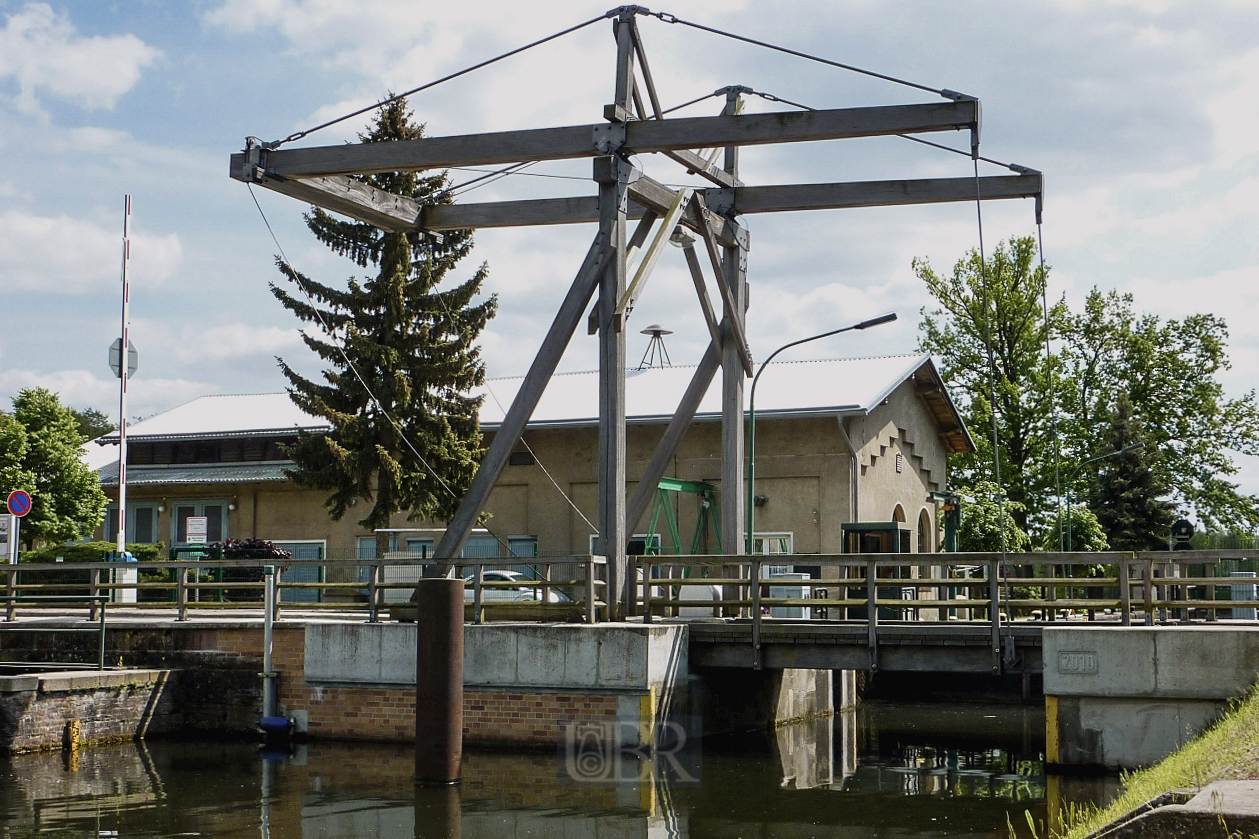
point(836, 196)
point(351, 197)
point(517, 416)
point(640, 137)
point(656, 196)
point(705, 303)
point(634, 290)
point(673, 434)
point(729, 296)
point(746, 200)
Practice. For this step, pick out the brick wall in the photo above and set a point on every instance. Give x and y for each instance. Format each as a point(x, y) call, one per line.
point(35, 715)
point(218, 688)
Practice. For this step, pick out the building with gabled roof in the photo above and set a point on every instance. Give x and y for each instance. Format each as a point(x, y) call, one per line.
point(838, 441)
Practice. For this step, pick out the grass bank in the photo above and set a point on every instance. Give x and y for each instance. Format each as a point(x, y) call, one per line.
point(1228, 750)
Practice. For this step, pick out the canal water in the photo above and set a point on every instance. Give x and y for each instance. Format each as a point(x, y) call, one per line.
point(900, 770)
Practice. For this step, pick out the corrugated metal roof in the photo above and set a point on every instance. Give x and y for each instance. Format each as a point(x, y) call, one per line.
point(197, 473)
point(253, 414)
point(835, 386)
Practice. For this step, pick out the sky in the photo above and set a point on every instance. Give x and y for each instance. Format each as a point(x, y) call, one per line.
point(1142, 114)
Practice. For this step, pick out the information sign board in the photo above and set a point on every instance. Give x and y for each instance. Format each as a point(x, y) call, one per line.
point(8, 538)
point(197, 527)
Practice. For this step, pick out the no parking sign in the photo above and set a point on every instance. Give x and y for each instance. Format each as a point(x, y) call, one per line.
point(19, 502)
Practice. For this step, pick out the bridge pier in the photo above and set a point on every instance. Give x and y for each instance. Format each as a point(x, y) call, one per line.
point(1124, 697)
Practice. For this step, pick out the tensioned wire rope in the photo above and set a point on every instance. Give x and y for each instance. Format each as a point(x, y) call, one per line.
point(663, 16)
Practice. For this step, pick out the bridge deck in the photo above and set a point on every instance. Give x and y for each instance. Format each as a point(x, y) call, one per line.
point(918, 646)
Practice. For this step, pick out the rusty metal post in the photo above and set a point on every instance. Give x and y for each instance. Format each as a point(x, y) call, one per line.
point(439, 680)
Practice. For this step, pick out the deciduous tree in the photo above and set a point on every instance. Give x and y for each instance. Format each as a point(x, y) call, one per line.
point(67, 502)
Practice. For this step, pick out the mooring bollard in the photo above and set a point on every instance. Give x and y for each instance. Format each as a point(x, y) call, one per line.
point(439, 680)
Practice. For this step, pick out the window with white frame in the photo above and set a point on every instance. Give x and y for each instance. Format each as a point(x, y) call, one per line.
point(768, 544)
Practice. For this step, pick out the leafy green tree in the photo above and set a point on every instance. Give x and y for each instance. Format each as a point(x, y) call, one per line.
point(416, 446)
point(1125, 492)
point(13, 449)
point(1168, 369)
point(998, 299)
point(1086, 531)
point(983, 519)
point(92, 423)
point(67, 502)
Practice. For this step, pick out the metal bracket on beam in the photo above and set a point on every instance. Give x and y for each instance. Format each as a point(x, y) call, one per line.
point(610, 138)
point(254, 170)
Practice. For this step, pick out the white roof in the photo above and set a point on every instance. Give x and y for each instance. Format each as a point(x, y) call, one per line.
point(226, 416)
point(836, 386)
point(844, 385)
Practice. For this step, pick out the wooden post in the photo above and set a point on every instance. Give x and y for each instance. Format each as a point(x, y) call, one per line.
point(592, 614)
point(872, 615)
point(755, 576)
point(733, 277)
point(1125, 592)
point(94, 589)
point(1149, 592)
point(181, 593)
point(439, 680)
point(613, 176)
point(646, 587)
point(994, 612)
point(478, 595)
point(373, 592)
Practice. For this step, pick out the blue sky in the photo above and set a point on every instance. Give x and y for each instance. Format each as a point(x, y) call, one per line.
point(1142, 114)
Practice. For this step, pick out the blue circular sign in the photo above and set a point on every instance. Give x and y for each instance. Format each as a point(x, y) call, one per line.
point(19, 502)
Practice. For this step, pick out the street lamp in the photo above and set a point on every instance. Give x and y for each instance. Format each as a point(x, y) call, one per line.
point(865, 324)
point(1076, 472)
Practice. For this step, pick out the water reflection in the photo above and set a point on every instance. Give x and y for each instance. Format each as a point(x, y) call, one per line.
point(921, 770)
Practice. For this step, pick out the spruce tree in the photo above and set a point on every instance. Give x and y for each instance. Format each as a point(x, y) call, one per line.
point(398, 337)
point(1126, 494)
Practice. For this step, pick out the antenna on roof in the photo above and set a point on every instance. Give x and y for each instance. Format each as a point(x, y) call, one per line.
point(656, 355)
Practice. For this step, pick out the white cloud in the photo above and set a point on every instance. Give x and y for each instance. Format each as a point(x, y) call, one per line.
point(41, 50)
point(196, 343)
point(68, 255)
point(82, 389)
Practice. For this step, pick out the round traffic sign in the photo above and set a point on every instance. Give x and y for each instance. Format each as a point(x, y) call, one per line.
point(19, 502)
point(1182, 530)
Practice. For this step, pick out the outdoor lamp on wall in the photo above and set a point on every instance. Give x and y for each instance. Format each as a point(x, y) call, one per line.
point(161, 506)
point(231, 505)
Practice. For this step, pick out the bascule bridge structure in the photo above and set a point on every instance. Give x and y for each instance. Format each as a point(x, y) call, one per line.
point(636, 216)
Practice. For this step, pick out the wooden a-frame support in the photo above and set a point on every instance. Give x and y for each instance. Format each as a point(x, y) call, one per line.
point(324, 176)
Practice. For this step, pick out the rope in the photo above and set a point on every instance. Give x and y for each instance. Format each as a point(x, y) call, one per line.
point(668, 18)
point(336, 341)
point(992, 388)
point(1053, 400)
point(300, 134)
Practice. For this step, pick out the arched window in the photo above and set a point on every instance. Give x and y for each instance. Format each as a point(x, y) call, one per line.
point(925, 542)
point(898, 514)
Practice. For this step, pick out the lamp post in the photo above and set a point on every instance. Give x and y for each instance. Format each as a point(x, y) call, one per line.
point(865, 324)
point(1076, 472)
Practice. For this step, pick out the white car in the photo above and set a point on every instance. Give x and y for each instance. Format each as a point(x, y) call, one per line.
point(519, 594)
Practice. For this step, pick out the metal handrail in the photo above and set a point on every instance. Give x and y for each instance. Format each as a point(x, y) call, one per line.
point(98, 602)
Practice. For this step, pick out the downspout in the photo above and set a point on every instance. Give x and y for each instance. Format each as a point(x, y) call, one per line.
point(852, 452)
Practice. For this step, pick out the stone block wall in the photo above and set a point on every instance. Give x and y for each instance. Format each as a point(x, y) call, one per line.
point(47, 711)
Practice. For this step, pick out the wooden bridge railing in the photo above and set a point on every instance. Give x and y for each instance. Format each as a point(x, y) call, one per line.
point(569, 588)
point(867, 588)
point(987, 587)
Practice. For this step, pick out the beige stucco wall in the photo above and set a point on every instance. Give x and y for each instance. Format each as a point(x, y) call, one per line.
point(803, 468)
